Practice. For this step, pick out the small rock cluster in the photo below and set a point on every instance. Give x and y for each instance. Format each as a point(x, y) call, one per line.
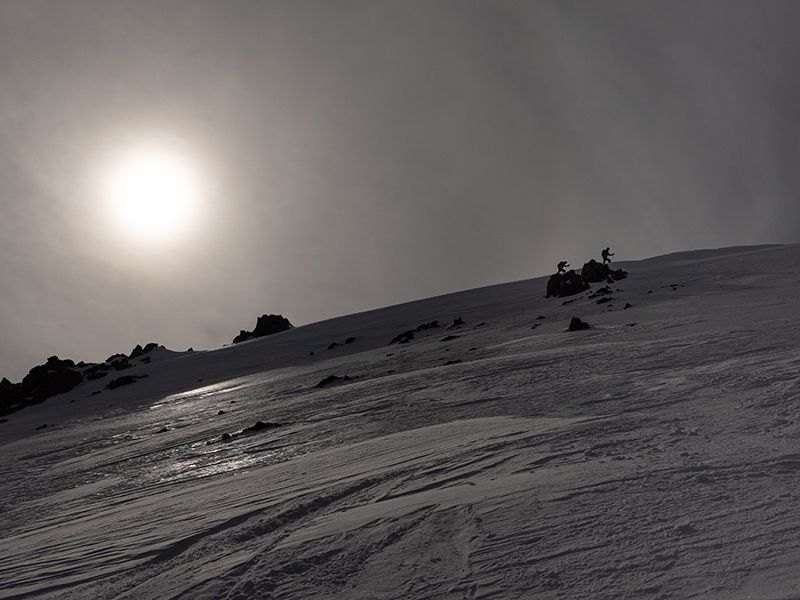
point(570, 283)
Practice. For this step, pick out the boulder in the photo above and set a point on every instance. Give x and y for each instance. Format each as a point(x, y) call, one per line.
point(595, 272)
point(566, 284)
point(577, 325)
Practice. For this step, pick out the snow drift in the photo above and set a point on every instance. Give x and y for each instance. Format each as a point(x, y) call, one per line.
point(652, 455)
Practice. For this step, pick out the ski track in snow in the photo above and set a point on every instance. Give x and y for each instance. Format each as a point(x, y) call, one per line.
point(655, 460)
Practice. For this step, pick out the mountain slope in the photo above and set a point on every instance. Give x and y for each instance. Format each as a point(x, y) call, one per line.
point(653, 455)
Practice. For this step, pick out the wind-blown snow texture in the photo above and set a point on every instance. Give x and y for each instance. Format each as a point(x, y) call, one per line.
point(656, 455)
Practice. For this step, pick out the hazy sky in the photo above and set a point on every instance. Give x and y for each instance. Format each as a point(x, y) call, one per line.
point(359, 154)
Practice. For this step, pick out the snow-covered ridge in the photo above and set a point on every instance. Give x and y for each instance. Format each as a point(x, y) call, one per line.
point(653, 455)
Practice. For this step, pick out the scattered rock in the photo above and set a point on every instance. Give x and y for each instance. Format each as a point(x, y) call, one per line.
point(450, 338)
point(164, 429)
point(350, 340)
point(481, 324)
point(603, 291)
point(604, 300)
point(429, 325)
point(3, 420)
point(577, 325)
point(124, 380)
point(535, 325)
point(220, 412)
point(631, 324)
point(453, 362)
point(333, 345)
point(457, 323)
point(261, 426)
point(402, 338)
point(40, 427)
point(627, 305)
point(331, 379)
point(265, 325)
point(226, 437)
point(94, 393)
point(540, 317)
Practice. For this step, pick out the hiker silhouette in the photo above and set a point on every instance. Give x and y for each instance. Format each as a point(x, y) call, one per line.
point(606, 255)
point(562, 266)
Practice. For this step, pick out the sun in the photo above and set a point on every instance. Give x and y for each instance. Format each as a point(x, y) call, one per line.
point(152, 194)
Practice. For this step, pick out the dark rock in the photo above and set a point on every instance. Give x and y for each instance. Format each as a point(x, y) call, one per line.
point(226, 437)
point(333, 345)
point(94, 393)
point(481, 324)
point(146, 360)
point(115, 357)
point(535, 325)
point(471, 349)
point(577, 325)
point(261, 426)
point(450, 338)
point(54, 377)
point(350, 340)
point(164, 429)
point(221, 412)
point(540, 317)
point(430, 325)
point(566, 284)
point(243, 336)
point(628, 305)
point(457, 323)
point(265, 325)
point(565, 302)
point(136, 352)
point(311, 353)
point(452, 362)
point(402, 338)
point(604, 300)
point(40, 427)
point(3, 420)
point(149, 347)
point(603, 291)
point(595, 272)
point(331, 379)
point(124, 380)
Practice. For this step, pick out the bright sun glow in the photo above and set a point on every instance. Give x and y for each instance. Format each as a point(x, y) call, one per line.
point(152, 195)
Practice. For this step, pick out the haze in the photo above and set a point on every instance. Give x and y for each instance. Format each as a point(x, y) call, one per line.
point(359, 154)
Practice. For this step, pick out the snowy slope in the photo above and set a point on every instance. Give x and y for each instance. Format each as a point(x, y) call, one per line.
point(656, 455)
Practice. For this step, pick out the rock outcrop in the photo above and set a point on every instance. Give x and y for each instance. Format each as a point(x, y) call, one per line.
point(265, 325)
point(566, 284)
point(595, 272)
point(576, 324)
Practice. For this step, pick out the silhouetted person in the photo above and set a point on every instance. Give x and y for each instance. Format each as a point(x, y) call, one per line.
point(606, 254)
point(562, 266)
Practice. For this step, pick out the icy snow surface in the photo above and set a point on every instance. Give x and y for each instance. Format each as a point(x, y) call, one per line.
point(655, 455)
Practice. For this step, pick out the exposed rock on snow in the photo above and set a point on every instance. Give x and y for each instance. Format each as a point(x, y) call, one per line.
point(124, 380)
point(595, 272)
point(407, 336)
point(566, 284)
point(577, 324)
point(265, 325)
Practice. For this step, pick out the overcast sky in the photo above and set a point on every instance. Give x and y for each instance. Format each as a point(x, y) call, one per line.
point(359, 154)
